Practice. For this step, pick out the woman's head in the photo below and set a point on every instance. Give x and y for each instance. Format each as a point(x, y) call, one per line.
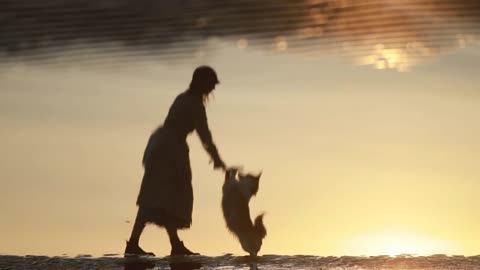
point(204, 80)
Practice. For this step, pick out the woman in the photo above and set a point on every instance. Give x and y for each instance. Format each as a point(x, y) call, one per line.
point(166, 196)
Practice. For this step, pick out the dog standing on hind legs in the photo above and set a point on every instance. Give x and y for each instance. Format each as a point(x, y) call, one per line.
point(235, 199)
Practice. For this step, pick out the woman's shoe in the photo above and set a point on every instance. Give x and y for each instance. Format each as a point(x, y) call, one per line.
point(181, 250)
point(136, 250)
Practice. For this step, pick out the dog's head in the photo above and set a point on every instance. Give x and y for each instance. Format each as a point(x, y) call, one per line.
point(249, 183)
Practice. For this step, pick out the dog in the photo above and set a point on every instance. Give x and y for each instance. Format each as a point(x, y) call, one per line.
point(235, 199)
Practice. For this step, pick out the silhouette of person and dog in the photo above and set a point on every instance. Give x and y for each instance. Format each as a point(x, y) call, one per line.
point(166, 196)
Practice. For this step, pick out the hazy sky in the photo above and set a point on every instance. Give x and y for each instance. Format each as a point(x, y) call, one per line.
point(355, 160)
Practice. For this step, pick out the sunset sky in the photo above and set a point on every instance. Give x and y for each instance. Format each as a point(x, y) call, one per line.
point(369, 145)
point(355, 160)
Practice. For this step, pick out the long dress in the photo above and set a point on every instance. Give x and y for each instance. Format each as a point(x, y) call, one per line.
point(166, 195)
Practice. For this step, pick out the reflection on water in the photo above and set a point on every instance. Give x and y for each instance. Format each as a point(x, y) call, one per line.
point(139, 265)
point(403, 262)
point(143, 264)
point(395, 34)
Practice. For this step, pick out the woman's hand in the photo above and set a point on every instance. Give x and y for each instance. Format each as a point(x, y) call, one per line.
point(219, 164)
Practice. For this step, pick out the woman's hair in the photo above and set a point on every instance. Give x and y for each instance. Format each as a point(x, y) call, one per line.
point(203, 76)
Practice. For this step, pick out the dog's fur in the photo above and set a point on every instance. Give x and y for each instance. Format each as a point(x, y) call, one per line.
point(235, 199)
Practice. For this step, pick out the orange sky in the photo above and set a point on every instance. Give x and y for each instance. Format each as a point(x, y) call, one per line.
point(355, 160)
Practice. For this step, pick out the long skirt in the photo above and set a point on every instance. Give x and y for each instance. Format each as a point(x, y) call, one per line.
point(166, 195)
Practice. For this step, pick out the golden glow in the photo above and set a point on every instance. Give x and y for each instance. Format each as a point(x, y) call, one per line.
point(280, 44)
point(383, 58)
point(242, 43)
point(395, 243)
point(354, 162)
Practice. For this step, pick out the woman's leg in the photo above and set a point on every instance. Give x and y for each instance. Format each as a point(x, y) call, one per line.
point(173, 236)
point(136, 231)
point(132, 244)
point(178, 248)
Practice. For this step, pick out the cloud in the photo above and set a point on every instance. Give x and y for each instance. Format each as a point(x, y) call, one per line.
point(385, 33)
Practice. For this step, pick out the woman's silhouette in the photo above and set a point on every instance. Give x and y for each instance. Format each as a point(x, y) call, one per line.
point(166, 195)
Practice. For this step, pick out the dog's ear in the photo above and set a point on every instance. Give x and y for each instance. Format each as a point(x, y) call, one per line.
point(230, 172)
point(233, 170)
point(243, 175)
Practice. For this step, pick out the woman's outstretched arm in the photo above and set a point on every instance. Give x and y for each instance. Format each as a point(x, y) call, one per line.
point(203, 131)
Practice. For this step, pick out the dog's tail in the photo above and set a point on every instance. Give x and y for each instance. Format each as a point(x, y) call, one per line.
point(259, 227)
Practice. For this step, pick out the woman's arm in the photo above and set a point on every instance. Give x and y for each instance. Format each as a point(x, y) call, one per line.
point(201, 126)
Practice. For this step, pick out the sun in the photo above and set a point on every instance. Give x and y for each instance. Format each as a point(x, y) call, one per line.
point(394, 243)
point(383, 58)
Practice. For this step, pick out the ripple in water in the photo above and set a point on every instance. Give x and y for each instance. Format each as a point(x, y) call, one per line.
point(227, 262)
